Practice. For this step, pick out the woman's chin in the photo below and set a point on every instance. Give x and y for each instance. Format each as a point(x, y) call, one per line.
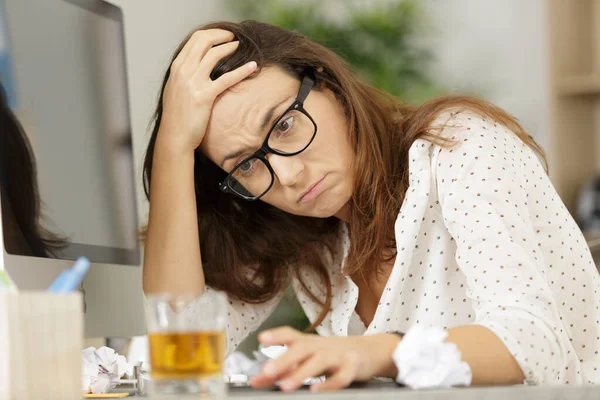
point(324, 207)
point(337, 209)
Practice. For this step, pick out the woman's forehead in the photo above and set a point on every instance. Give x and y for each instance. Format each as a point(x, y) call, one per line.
point(238, 113)
point(269, 85)
point(243, 106)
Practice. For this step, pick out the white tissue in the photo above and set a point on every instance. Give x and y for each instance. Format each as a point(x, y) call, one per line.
point(101, 384)
point(424, 360)
point(102, 369)
point(239, 364)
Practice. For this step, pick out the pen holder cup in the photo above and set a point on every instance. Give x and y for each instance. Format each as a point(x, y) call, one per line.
point(41, 338)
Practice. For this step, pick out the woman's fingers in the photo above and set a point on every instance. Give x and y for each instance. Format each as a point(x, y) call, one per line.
point(262, 380)
point(314, 366)
point(282, 366)
point(197, 46)
point(312, 356)
point(213, 56)
point(342, 378)
point(237, 75)
point(229, 79)
point(200, 55)
point(292, 357)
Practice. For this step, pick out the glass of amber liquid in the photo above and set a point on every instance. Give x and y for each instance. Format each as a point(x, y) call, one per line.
point(187, 343)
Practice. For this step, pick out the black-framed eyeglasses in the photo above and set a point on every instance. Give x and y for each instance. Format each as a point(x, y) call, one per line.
point(290, 135)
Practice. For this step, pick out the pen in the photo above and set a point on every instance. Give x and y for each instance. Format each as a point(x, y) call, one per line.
point(68, 280)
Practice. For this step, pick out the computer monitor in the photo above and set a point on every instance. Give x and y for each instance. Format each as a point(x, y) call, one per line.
point(67, 177)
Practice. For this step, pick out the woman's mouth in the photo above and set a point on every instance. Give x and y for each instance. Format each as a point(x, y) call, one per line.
point(314, 190)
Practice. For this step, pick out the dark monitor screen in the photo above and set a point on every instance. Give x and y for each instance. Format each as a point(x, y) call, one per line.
point(66, 159)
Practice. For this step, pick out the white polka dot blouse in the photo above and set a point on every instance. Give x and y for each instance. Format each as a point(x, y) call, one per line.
point(482, 238)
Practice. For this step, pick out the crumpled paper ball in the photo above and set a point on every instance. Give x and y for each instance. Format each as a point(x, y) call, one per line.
point(424, 360)
point(102, 369)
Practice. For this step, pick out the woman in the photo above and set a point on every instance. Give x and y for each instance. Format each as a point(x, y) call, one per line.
point(271, 163)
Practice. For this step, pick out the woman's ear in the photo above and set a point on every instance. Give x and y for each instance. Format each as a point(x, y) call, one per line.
point(320, 82)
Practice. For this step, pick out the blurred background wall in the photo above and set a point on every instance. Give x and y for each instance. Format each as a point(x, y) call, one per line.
point(498, 50)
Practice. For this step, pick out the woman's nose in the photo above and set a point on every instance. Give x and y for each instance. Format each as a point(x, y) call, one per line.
point(287, 169)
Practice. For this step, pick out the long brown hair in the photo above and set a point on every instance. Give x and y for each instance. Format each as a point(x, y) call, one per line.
point(23, 218)
point(251, 249)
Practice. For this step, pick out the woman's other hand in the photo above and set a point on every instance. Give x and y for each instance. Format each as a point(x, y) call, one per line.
point(190, 93)
point(343, 359)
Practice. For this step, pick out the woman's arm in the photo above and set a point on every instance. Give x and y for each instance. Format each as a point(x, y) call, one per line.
point(359, 358)
point(172, 250)
point(172, 261)
point(482, 186)
point(490, 361)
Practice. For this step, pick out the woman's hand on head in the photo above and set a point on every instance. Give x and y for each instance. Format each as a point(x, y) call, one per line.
point(189, 94)
point(342, 359)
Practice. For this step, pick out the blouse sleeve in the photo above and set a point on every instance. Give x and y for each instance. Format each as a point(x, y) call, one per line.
point(483, 197)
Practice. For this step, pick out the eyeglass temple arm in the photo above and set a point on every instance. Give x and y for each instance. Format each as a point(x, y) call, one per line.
point(308, 82)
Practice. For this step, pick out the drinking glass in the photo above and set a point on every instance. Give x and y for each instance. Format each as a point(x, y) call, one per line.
point(187, 340)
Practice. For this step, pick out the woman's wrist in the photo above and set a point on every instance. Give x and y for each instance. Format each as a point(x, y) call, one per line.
point(385, 344)
point(424, 360)
point(172, 145)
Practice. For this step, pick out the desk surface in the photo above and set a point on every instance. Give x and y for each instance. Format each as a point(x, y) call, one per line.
point(379, 390)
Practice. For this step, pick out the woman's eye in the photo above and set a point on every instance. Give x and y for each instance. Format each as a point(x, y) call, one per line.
point(247, 166)
point(246, 169)
point(285, 125)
